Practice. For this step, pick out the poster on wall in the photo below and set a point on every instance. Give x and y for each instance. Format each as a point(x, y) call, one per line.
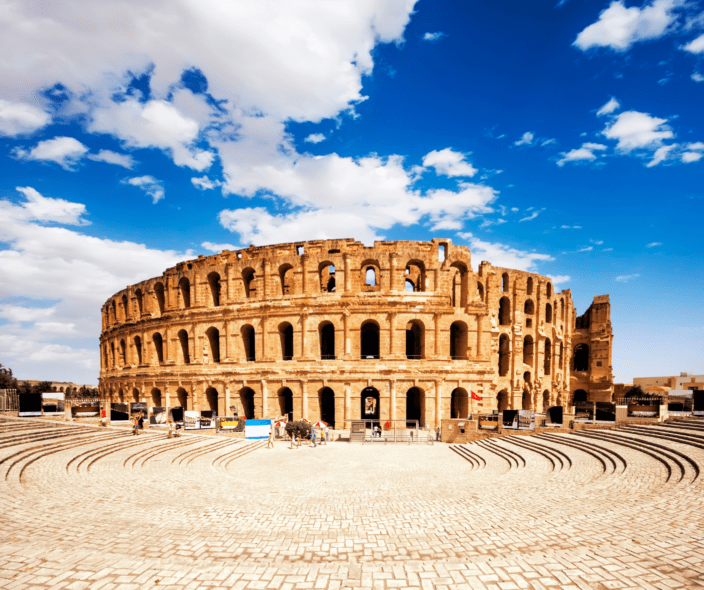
point(53, 403)
point(137, 407)
point(191, 420)
point(158, 416)
point(119, 412)
point(177, 414)
point(207, 419)
point(86, 410)
point(30, 404)
point(257, 429)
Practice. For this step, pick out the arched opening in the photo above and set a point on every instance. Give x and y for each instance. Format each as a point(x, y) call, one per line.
point(581, 357)
point(213, 335)
point(183, 340)
point(112, 355)
point(562, 310)
point(139, 298)
point(369, 336)
point(504, 282)
point(579, 396)
point(248, 342)
point(408, 286)
point(123, 353)
point(326, 399)
point(480, 292)
point(369, 399)
point(125, 308)
point(526, 378)
point(247, 402)
point(415, 340)
point(182, 397)
point(158, 347)
point(415, 273)
point(249, 282)
point(548, 313)
point(326, 276)
point(371, 275)
point(529, 307)
point(549, 290)
point(113, 309)
point(458, 341)
point(547, 361)
point(286, 403)
point(286, 278)
point(214, 283)
point(286, 338)
point(502, 400)
point(326, 335)
point(156, 397)
point(415, 406)
point(459, 284)
point(504, 355)
point(184, 290)
point(160, 297)
point(546, 400)
point(526, 402)
point(138, 349)
point(504, 312)
point(529, 286)
point(459, 404)
point(211, 400)
point(528, 351)
point(135, 394)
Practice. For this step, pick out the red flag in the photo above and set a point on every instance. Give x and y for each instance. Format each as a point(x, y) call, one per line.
point(387, 425)
point(475, 396)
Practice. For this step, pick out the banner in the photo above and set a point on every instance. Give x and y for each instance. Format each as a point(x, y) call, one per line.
point(119, 412)
point(191, 420)
point(207, 419)
point(257, 429)
point(30, 404)
point(85, 410)
point(158, 416)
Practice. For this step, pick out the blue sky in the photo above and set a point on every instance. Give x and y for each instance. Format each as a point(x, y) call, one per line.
point(565, 138)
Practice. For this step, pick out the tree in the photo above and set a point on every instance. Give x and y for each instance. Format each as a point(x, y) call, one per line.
point(41, 387)
point(300, 429)
point(7, 381)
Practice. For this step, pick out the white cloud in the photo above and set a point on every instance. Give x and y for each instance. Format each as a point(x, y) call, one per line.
point(548, 142)
point(653, 244)
point(433, 36)
point(526, 139)
point(635, 130)
point(619, 27)
point(315, 138)
point(609, 107)
point(150, 185)
point(217, 247)
point(584, 153)
point(697, 77)
point(570, 227)
point(204, 183)
point(532, 216)
point(695, 46)
point(110, 157)
point(626, 278)
point(586, 249)
point(490, 222)
point(502, 255)
point(449, 163)
point(661, 155)
point(559, 279)
point(65, 329)
point(17, 118)
point(65, 151)
point(689, 157)
point(17, 313)
point(43, 209)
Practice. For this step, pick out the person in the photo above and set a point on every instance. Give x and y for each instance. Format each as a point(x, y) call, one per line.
point(312, 437)
point(135, 425)
point(327, 434)
point(322, 436)
point(293, 440)
point(171, 428)
point(270, 444)
point(376, 432)
point(140, 421)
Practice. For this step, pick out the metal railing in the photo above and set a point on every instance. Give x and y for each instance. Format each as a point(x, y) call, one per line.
point(9, 400)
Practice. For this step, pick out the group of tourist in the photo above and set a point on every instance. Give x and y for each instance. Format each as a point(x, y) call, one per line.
point(311, 438)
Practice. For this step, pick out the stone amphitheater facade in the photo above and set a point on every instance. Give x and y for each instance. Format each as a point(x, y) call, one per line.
point(316, 329)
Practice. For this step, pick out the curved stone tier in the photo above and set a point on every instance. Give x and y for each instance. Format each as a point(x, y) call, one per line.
point(334, 330)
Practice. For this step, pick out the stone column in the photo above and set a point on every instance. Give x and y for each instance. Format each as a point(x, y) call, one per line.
point(194, 290)
point(304, 399)
point(304, 324)
point(480, 326)
point(392, 392)
point(167, 398)
point(436, 318)
point(438, 403)
point(392, 322)
point(227, 399)
point(263, 356)
point(265, 395)
point(393, 261)
point(304, 273)
point(227, 286)
point(346, 258)
point(346, 322)
point(265, 272)
point(348, 406)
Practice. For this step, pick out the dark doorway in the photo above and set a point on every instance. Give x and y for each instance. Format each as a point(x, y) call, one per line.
point(327, 406)
point(247, 402)
point(459, 404)
point(286, 335)
point(369, 335)
point(327, 342)
point(286, 403)
point(579, 396)
point(414, 407)
point(369, 404)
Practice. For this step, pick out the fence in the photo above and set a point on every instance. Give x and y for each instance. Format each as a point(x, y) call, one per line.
point(386, 431)
point(9, 400)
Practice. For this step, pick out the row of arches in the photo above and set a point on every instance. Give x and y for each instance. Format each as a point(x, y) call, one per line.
point(506, 285)
point(529, 310)
point(580, 357)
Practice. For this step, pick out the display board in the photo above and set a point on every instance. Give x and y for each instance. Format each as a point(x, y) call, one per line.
point(257, 429)
point(119, 412)
point(30, 404)
point(85, 410)
point(158, 416)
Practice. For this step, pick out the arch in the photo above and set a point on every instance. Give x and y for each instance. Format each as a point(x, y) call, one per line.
point(415, 340)
point(529, 307)
point(135, 394)
point(125, 308)
point(504, 282)
point(502, 400)
point(526, 378)
point(369, 404)
point(526, 401)
point(211, 400)
point(215, 287)
point(460, 276)
point(415, 273)
point(547, 359)
point(528, 351)
point(326, 337)
point(286, 338)
point(156, 396)
point(247, 402)
point(326, 277)
point(184, 290)
point(546, 400)
point(504, 311)
point(249, 279)
point(114, 311)
point(458, 340)
point(370, 275)
point(326, 401)
point(415, 405)
point(123, 353)
point(248, 338)
point(480, 291)
point(369, 340)
point(213, 335)
point(286, 403)
point(158, 347)
point(183, 340)
point(139, 298)
point(581, 357)
point(504, 355)
point(286, 278)
point(562, 310)
point(182, 397)
point(459, 404)
point(138, 349)
point(408, 287)
point(529, 286)
point(548, 289)
point(579, 396)
point(160, 297)
point(548, 313)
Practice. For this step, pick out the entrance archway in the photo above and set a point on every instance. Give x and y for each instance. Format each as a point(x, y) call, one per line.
point(526, 401)
point(327, 406)
point(459, 404)
point(182, 396)
point(286, 403)
point(502, 400)
point(579, 396)
point(247, 402)
point(369, 400)
point(156, 397)
point(211, 400)
point(415, 406)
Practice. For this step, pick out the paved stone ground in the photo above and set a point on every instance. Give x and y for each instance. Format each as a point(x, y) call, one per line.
point(83, 507)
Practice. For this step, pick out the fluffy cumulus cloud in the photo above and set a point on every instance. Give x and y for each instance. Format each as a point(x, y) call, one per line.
point(433, 36)
point(581, 154)
point(17, 118)
point(110, 157)
point(503, 255)
point(204, 183)
point(619, 27)
point(611, 106)
point(449, 163)
point(526, 139)
point(315, 138)
point(64, 151)
point(59, 273)
point(696, 45)
point(150, 185)
point(635, 130)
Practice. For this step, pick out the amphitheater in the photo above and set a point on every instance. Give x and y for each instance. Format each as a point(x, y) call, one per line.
point(332, 330)
point(97, 508)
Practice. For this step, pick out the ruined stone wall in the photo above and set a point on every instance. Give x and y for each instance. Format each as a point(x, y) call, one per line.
point(315, 328)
